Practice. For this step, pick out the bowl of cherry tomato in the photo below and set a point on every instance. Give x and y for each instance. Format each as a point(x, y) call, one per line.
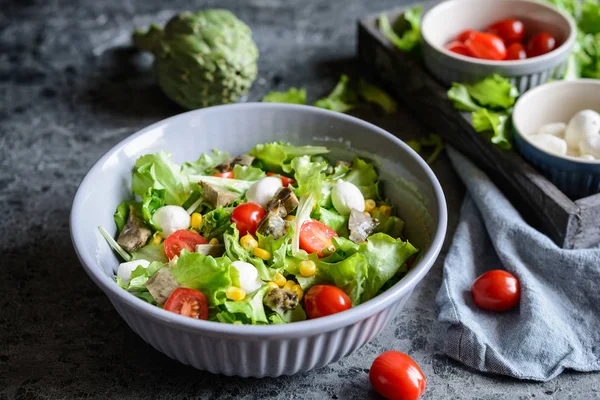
point(524, 40)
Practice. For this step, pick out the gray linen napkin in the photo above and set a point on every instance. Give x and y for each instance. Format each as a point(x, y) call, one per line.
point(557, 323)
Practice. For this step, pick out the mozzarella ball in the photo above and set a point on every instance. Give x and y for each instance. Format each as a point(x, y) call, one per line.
point(346, 196)
point(549, 143)
point(249, 281)
point(586, 122)
point(589, 145)
point(262, 192)
point(125, 269)
point(171, 219)
point(554, 129)
point(588, 157)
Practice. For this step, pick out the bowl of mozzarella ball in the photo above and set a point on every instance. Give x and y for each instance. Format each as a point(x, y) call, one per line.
point(556, 127)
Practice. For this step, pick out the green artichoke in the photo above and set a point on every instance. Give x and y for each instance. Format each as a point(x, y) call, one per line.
point(203, 58)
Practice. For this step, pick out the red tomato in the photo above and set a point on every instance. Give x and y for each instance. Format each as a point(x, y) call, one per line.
point(285, 181)
point(515, 51)
point(541, 43)
point(496, 290)
point(459, 48)
point(315, 237)
point(464, 35)
point(510, 30)
point(228, 174)
point(323, 300)
point(486, 46)
point(182, 239)
point(247, 216)
point(396, 376)
point(188, 302)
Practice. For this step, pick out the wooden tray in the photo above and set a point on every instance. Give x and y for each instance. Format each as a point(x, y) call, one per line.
point(569, 223)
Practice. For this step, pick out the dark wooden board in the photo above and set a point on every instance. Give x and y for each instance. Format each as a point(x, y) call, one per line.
point(570, 224)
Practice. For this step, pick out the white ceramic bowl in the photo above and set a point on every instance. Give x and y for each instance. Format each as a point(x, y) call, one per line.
point(558, 102)
point(258, 350)
point(443, 22)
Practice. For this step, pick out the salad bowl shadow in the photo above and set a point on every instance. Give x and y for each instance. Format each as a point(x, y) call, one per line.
point(255, 350)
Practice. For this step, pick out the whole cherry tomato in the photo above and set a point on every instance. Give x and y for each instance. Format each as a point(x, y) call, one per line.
point(464, 35)
point(323, 300)
point(396, 376)
point(459, 48)
point(541, 43)
point(486, 46)
point(247, 216)
point(515, 51)
point(496, 290)
point(510, 30)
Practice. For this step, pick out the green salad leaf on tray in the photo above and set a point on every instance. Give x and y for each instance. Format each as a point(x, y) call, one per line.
point(251, 239)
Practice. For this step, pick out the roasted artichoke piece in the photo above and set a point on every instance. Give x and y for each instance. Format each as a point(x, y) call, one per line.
point(203, 58)
point(361, 226)
point(161, 285)
point(272, 224)
point(135, 233)
point(217, 197)
point(281, 300)
point(284, 200)
point(228, 165)
point(215, 250)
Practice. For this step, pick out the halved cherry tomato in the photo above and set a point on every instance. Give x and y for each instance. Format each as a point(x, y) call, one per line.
point(188, 302)
point(515, 51)
point(510, 30)
point(285, 181)
point(227, 174)
point(247, 216)
point(464, 35)
point(315, 237)
point(541, 43)
point(396, 376)
point(322, 300)
point(459, 48)
point(486, 46)
point(182, 239)
point(496, 290)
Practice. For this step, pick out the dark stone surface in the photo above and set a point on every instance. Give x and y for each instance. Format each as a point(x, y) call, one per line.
point(70, 89)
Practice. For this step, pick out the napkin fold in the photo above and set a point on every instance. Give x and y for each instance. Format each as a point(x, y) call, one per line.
point(557, 322)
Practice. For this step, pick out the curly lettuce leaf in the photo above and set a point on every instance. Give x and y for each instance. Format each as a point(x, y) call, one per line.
point(494, 92)
point(348, 274)
point(372, 94)
point(496, 123)
point(331, 218)
point(277, 247)
point(362, 174)
point(247, 173)
point(233, 185)
point(295, 315)
point(343, 98)
point(122, 213)
point(158, 171)
point(292, 96)
point(215, 223)
point(461, 99)
point(152, 200)
point(384, 256)
point(276, 155)
point(139, 277)
point(251, 309)
point(411, 36)
point(209, 275)
point(206, 164)
point(236, 252)
point(151, 252)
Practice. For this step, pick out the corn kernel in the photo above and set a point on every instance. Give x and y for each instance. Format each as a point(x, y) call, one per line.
point(262, 253)
point(279, 279)
point(289, 285)
point(196, 220)
point(272, 285)
point(248, 242)
point(369, 205)
point(235, 294)
point(299, 291)
point(157, 239)
point(308, 268)
point(385, 210)
point(290, 218)
point(213, 241)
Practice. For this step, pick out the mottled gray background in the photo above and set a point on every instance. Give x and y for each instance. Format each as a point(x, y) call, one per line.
point(70, 89)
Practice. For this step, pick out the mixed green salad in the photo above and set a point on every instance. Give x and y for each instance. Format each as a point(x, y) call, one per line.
point(273, 236)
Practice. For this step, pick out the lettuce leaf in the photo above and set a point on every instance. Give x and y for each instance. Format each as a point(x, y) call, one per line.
point(384, 257)
point(215, 223)
point(233, 185)
point(139, 277)
point(151, 252)
point(461, 99)
point(363, 175)
point(390, 225)
point(122, 213)
point(342, 99)
point(348, 274)
point(251, 309)
point(331, 218)
point(205, 165)
point(295, 315)
point(274, 156)
point(158, 171)
point(494, 92)
point(292, 96)
point(496, 122)
point(590, 16)
point(278, 249)
point(247, 173)
point(152, 200)
point(411, 37)
point(209, 275)
point(236, 252)
point(373, 94)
